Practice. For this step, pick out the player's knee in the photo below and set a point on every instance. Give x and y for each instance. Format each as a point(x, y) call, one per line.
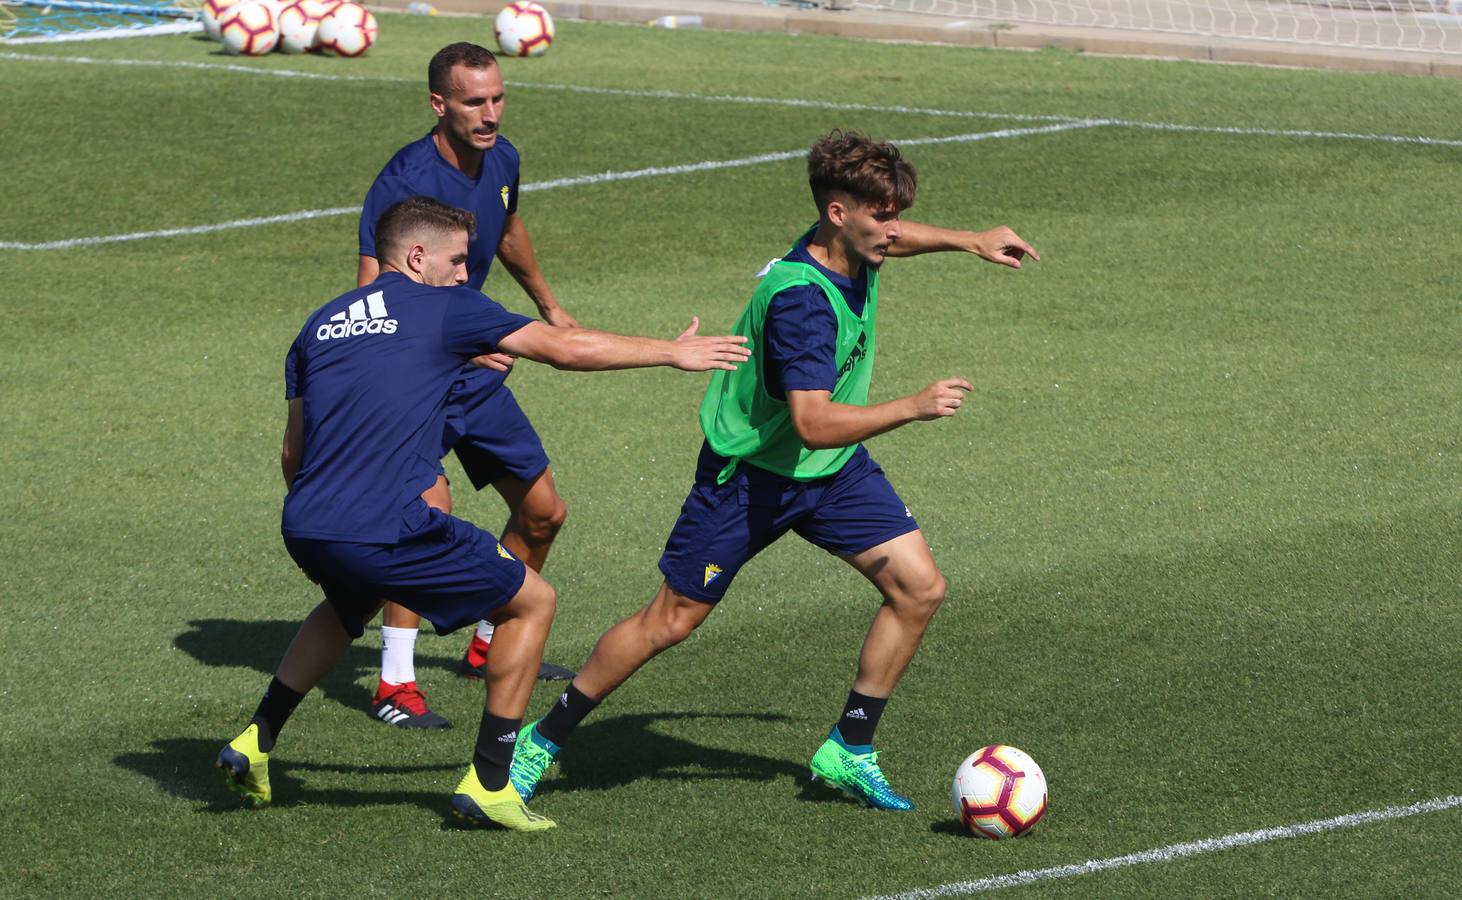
point(922, 598)
point(540, 522)
point(537, 600)
point(673, 622)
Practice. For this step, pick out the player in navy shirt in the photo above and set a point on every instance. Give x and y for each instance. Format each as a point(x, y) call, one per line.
point(738, 507)
point(367, 381)
point(465, 162)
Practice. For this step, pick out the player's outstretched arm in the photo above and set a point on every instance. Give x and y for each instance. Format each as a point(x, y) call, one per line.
point(823, 424)
point(584, 350)
point(515, 249)
point(998, 245)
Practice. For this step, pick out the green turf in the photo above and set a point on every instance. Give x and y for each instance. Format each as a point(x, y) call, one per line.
point(1200, 518)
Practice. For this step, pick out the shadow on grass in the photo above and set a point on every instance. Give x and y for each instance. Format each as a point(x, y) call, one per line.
point(606, 754)
point(260, 644)
point(619, 750)
point(183, 767)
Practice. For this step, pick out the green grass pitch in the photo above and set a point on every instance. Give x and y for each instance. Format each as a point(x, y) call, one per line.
point(1200, 519)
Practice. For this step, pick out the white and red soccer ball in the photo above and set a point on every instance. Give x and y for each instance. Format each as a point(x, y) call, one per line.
point(299, 24)
point(524, 29)
point(999, 792)
point(212, 16)
point(347, 30)
point(249, 28)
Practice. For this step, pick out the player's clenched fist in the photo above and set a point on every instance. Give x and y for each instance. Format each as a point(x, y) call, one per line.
point(942, 398)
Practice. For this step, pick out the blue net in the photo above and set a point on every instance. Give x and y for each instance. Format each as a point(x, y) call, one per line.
point(22, 21)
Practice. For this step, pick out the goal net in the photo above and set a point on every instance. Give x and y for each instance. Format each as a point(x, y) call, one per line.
point(34, 21)
point(1429, 26)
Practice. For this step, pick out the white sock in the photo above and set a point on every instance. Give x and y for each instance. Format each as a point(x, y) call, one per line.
point(398, 654)
point(484, 631)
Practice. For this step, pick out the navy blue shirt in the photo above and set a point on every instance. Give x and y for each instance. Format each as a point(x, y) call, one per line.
point(801, 330)
point(418, 168)
point(373, 367)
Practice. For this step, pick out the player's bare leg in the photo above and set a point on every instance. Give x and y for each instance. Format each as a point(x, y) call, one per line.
point(904, 572)
point(316, 649)
point(485, 795)
point(536, 512)
point(912, 586)
point(664, 622)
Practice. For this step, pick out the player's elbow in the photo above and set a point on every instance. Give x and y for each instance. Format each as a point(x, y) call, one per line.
point(568, 354)
point(811, 434)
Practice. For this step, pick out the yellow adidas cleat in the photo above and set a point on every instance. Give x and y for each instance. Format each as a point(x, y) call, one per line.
point(247, 768)
point(504, 807)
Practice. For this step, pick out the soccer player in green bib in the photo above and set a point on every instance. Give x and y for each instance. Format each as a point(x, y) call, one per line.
point(783, 452)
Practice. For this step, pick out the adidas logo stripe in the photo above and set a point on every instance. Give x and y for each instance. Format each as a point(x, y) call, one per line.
point(391, 714)
point(857, 714)
point(367, 316)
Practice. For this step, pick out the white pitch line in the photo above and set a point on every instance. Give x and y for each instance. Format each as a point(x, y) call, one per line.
point(1179, 851)
point(761, 101)
point(575, 181)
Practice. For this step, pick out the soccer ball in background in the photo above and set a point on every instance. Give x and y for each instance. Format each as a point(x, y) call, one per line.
point(213, 12)
point(249, 28)
point(524, 29)
point(347, 30)
point(299, 23)
point(999, 792)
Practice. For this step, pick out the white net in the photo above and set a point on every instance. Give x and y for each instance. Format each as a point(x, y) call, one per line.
point(1433, 26)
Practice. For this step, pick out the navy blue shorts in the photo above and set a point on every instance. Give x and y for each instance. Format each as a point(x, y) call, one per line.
point(492, 436)
point(722, 526)
point(450, 573)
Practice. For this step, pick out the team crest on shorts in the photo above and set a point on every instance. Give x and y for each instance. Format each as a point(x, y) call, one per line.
point(713, 572)
point(503, 552)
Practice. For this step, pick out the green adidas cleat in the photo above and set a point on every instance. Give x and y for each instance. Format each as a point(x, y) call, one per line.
point(857, 775)
point(247, 768)
point(505, 807)
point(532, 755)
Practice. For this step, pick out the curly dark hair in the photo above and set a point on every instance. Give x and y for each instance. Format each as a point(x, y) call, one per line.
point(868, 172)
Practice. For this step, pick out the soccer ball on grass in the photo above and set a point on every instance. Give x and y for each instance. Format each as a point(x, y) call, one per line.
point(299, 23)
point(999, 792)
point(213, 13)
point(347, 30)
point(524, 29)
point(249, 29)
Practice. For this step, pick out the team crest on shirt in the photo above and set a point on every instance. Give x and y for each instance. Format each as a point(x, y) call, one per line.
point(713, 572)
point(503, 552)
point(505, 196)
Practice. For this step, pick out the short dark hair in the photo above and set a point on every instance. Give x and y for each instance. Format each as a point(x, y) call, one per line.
point(407, 219)
point(868, 172)
point(439, 70)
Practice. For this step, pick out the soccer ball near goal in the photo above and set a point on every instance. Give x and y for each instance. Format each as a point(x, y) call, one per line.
point(524, 29)
point(299, 23)
point(999, 792)
point(213, 13)
point(347, 30)
point(249, 28)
